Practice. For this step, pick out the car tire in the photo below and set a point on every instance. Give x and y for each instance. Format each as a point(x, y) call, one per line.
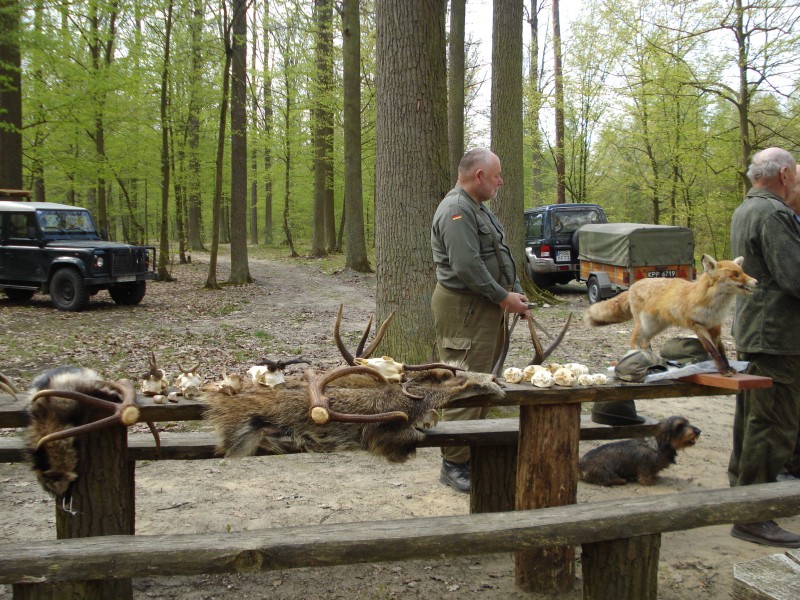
point(593, 290)
point(67, 290)
point(17, 295)
point(128, 294)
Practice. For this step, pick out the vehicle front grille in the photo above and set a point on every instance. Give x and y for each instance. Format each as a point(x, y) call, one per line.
point(127, 262)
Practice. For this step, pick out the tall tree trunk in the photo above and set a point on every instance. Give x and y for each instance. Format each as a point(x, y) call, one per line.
point(193, 130)
point(323, 130)
point(535, 105)
point(267, 133)
point(506, 120)
point(455, 86)
point(240, 271)
point(211, 280)
point(254, 150)
point(10, 96)
point(411, 171)
point(561, 197)
point(353, 213)
point(163, 253)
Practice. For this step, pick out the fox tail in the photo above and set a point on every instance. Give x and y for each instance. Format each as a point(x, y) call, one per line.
point(613, 310)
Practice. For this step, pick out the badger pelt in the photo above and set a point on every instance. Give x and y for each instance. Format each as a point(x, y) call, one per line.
point(55, 462)
point(277, 421)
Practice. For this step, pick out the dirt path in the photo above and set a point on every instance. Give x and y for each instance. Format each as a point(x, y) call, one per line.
point(289, 310)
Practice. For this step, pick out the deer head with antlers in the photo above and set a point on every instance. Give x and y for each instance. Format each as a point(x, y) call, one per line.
point(64, 402)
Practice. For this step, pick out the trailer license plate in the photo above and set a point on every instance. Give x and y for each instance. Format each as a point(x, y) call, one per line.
point(562, 256)
point(664, 273)
point(126, 278)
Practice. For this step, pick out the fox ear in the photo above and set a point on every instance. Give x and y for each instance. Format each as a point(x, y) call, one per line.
point(709, 264)
point(739, 260)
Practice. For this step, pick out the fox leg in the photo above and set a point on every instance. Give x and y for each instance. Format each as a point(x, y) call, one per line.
point(713, 344)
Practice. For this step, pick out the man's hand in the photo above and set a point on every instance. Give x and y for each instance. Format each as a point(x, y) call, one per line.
point(515, 302)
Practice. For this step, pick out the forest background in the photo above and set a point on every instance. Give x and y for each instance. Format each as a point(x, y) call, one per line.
point(316, 127)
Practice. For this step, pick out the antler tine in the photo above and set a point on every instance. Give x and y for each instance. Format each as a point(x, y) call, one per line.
point(558, 339)
point(378, 337)
point(189, 371)
point(538, 356)
point(337, 338)
point(7, 386)
point(283, 363)
point(319, 404)
point(498, 366)
point(363, 340)
point(430, 366)
point(271, 364)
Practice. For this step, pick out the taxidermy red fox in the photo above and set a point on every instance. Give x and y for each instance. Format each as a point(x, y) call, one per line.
point(656, 304)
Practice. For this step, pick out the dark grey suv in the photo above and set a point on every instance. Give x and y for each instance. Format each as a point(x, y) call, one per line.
point(55, 249)
point(551, 246)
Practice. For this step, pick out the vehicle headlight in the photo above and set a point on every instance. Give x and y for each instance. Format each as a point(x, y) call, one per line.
point(98, 262)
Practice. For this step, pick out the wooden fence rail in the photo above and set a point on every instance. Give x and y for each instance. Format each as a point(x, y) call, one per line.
point(610, 523)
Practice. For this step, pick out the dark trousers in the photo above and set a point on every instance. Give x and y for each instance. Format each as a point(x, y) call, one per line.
point(767, 421)
point(469, 330)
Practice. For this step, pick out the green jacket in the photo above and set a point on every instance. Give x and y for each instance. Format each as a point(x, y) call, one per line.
point(464, 251)
point(765, 232)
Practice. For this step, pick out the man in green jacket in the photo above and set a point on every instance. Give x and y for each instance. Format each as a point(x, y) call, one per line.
point(476, 283)
point(766, 422)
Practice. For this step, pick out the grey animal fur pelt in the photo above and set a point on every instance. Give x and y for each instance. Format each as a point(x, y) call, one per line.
point(276, 419)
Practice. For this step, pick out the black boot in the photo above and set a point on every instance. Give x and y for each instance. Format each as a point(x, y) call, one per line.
point(620, 412)
point(766, 533)
point(456, 475)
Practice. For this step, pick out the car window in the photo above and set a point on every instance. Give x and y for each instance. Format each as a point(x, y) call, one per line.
point(19, 224)
point(534, 225)
point(570, 221)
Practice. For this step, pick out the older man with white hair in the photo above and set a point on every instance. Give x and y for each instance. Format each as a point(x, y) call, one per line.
point(767, 421)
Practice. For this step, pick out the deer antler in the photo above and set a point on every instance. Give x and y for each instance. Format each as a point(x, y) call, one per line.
point(7, 386)
point(188, 371)
point(281, 364)
point(540, 355)
point(124, 413)
point(319, 404)
point(154, 371)
point(360, 351)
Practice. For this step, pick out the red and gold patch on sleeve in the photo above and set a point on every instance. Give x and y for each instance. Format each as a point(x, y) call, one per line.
point(455, 217)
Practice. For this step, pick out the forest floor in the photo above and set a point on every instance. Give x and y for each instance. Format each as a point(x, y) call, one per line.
point(289, 310)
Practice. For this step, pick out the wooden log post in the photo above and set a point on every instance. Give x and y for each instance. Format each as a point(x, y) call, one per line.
point(547, 475)
point(103, 504)
point(624, 569)
point(493, 478)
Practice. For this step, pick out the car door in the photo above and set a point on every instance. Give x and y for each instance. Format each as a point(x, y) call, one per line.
point(22, 255)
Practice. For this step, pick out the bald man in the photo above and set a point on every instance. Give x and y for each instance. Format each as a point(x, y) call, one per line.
point(476, 282)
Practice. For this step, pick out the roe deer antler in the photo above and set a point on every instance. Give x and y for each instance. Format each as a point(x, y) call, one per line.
point(124, 413)
point(319, 404)
point(360, 351)
point(280, 364)
point(540, 355)
point(8, 387)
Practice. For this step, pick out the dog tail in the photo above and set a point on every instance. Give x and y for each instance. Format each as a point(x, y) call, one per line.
point(613, 310)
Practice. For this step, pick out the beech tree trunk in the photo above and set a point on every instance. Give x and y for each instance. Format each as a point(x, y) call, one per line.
point(412, 171)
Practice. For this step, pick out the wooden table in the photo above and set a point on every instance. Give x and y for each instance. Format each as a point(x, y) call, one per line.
point(546, 471)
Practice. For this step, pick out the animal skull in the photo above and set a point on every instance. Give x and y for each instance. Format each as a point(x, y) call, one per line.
point(231, 384)
point(553, 367)
point(513, 375)
point(585, 379)
point(542, 378)
point(189, 382)
point(385, 365)
point(600, 379)
point(565, 377)
point(154, 381)
point(578, 368)
point(531, 370)
point(262, 375)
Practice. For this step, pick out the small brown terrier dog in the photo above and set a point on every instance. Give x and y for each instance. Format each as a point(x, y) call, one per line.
point(638, 459)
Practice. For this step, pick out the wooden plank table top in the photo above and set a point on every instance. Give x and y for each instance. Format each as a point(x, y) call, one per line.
point(13, 412)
